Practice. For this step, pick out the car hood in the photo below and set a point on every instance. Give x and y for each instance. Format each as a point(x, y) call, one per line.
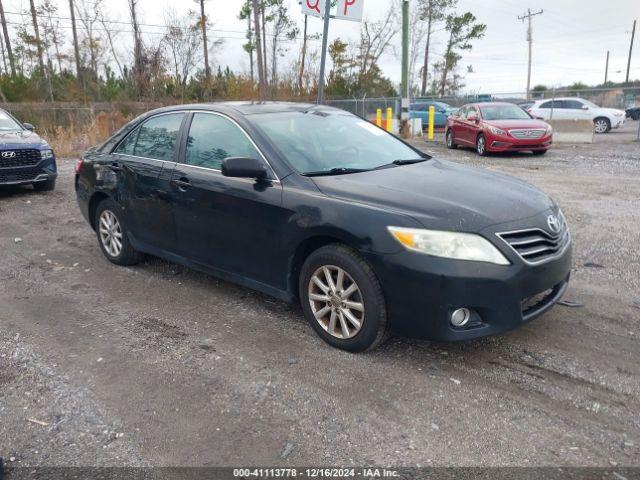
point(441, 195)
point(20, 139)
point(611, 111)
point(525, 123)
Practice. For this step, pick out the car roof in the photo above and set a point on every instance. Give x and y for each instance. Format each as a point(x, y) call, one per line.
point(250, 107)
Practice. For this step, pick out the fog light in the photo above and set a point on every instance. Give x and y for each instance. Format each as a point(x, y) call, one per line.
point(460, 317)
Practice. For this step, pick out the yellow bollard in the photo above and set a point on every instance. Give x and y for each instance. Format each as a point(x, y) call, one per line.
point(432, 120)
point(379, 117)
point(389, 119)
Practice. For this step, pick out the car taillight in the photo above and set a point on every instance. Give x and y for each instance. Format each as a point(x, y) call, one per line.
point(79, 165)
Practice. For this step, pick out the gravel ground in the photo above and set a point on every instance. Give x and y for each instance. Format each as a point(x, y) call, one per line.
point(161, 365)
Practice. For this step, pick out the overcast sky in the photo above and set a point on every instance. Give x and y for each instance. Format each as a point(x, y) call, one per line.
point(571, 37)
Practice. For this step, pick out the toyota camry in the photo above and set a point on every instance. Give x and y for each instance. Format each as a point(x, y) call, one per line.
point(314, 205)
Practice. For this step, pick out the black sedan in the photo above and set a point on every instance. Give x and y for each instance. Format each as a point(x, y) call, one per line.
point(633, 113)
point(312, 204)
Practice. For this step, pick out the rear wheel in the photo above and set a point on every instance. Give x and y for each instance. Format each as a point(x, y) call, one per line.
point(602, 125)
point(449, 139)
point(47, 186)
point(112, 235)
point(481, 145)
point(342, 299)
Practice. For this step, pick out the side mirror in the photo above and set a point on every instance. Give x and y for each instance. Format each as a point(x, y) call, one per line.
point(29, 126)
point(242, 167)
point(585, 107)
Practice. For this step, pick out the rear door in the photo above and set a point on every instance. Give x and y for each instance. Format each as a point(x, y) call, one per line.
point(143, 162)
point(231, 224)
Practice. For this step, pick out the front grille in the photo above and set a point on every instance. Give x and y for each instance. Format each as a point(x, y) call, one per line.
point(536, 245)
point(526, 134)
point(21, 176)
point(22, 158)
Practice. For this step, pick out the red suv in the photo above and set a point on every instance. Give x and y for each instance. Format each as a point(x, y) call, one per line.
point(497, 127)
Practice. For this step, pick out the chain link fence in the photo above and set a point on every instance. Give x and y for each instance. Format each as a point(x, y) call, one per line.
point(620, 98)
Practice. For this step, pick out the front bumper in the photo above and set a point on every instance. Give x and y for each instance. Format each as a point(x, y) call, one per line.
point(619, 122)
point(422, 291)
point(44, 171)
point(507, 143)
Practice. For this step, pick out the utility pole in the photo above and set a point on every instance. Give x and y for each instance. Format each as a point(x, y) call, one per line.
point(256, 21)
point(205, 43)
point(606, 70)
point(633, 36)
point(404, 116)
point(76, 49)
point(7, 42)
point(528, 17)
point(323, 58)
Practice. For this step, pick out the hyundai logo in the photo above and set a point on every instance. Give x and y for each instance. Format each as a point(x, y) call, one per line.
point(8, 154)
point(554, 223)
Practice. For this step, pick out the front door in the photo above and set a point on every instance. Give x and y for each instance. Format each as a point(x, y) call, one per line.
point(230, 224)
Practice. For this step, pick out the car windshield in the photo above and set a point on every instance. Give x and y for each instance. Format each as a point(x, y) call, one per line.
point(317, 142)
point(504, 112)
point(7, 123)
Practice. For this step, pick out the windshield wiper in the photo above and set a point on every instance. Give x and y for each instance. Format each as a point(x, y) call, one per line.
point(335, 171)
point(401, 162)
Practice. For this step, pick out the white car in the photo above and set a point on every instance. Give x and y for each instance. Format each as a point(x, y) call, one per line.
point(572, 108)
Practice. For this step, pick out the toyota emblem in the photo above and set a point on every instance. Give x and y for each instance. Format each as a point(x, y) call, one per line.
point(8, 154)
point(554, 223)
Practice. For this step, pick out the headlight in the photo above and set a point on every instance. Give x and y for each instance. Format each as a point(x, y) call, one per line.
point(459, 246)
point(549, 130)
point(496, 130)
point(44, 154)
point(619, 114)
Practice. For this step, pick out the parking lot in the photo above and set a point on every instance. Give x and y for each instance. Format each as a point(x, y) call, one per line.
point(160, 365)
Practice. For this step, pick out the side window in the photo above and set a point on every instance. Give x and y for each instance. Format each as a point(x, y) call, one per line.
point(157, 137)
point(548, 105)
point(212, 138)
point(462, 113)
point(128, 144)
point(573, 104)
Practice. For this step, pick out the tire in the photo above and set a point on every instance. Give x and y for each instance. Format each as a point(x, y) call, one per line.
point(481, 145)
point(601, 125)
point(449, 140)
point(329, 306)
point(107, 211)
point(47, 186)
point(539, 152)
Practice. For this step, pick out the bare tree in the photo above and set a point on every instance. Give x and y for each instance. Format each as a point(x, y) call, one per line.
point(376, 37)
point(245, 14)
point(433, 12)
point(7, 41)
point(110, 36)
point(48, 11)
point(182, 43)
point(303, 54)
point(34, 18)
point(89, 14)
point(283, 26)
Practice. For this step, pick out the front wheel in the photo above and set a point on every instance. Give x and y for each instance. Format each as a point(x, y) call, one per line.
point(602, 125)
point(449, 139)
point(342, 299)
point(112, 236)
point(481, 145)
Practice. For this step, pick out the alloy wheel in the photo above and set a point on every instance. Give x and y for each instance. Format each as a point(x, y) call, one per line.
point(449, 139)
point(480, 145)
point(336, 302)
point(601, 126)
point(110, 233)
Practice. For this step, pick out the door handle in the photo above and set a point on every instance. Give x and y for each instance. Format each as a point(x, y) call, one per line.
point(182, 184)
